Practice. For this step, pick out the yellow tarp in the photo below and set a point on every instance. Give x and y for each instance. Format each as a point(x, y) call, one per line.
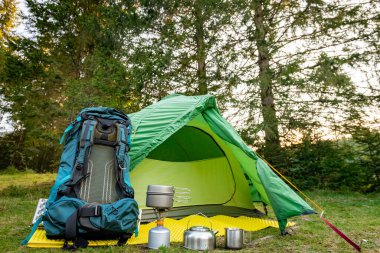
point(176, 227)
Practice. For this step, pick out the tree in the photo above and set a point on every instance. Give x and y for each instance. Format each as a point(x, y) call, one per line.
point(74, 59)
point(86, 42)
point(192, 37)
point(297, 53)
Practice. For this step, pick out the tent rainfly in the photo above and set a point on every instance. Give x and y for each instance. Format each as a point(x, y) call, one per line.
point(185, 142)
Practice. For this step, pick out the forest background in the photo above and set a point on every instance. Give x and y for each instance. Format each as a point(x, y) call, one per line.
point(299, 80)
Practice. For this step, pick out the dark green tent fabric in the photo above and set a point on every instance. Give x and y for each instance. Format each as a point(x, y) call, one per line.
point(187, 133)
point(187, 144)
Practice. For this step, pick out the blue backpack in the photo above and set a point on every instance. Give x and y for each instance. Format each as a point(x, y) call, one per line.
point(92, 197)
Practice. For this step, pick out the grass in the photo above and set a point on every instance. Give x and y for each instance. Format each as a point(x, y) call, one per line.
point(355, 214)
point(25, 179)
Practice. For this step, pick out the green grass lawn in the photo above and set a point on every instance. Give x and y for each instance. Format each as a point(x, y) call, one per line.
point(25, 179)
point(355, 214)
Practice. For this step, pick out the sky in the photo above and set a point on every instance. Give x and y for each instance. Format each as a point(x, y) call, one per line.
point(21, 28)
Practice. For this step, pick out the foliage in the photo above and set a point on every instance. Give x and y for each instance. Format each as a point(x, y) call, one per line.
point(296, 54)
point(10, 153)
point(72, 61)
point(40, 153)
point(10, 170)
point(182, 48)
point(369, 153)
point(349, 164)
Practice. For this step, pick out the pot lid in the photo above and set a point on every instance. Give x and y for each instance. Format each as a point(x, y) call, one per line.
point(160, 189)
point(200, 229)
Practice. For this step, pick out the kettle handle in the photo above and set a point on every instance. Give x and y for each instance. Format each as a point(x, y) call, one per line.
point(201, 215)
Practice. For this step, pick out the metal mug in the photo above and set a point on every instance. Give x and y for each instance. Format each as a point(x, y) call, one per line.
point(234, 238)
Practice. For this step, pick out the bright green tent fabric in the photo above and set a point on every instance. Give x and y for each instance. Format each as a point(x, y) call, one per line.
point(184, 141)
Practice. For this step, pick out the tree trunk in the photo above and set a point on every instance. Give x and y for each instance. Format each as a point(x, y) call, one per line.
point(201, 48)
point(272, 140)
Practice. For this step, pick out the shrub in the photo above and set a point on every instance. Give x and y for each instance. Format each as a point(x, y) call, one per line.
point(336, 165)
point(40, 153)
point(10, 170)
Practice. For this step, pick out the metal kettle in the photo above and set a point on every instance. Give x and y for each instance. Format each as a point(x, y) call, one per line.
point(199, 237)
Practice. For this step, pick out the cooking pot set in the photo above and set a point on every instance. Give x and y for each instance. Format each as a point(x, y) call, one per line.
point(161, 198)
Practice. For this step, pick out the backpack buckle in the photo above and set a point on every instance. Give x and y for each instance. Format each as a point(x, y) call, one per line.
point(97, 210)
point(121, 167)
point(90, 211)
point(79, 166)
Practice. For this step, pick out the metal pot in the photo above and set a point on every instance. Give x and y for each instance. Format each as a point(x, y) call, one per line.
point(199, 238)
point(160, 196)
point(234, 238)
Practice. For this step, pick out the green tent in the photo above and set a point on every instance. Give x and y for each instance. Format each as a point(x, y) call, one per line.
point(184, 141)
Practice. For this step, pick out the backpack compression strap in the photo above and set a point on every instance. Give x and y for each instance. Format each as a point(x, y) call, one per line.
point(82, 217)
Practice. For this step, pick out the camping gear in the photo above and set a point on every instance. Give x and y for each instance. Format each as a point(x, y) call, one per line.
point(234, 238)
point(199, 237)
point(341, 234)
point(184, 141)
point(158, 237)
point(176, 227)
point(92, 196)
point(182, 195)
point(40, 209)
point(160, 196)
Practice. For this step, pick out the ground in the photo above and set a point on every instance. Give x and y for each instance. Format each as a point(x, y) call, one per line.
point(356, 214)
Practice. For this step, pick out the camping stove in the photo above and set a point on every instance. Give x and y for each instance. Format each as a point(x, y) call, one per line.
point(160, 198)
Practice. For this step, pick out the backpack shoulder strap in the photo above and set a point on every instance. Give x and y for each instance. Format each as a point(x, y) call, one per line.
point(123, 144)
point(80, 171)
point(86, 141)
point(122, 160)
